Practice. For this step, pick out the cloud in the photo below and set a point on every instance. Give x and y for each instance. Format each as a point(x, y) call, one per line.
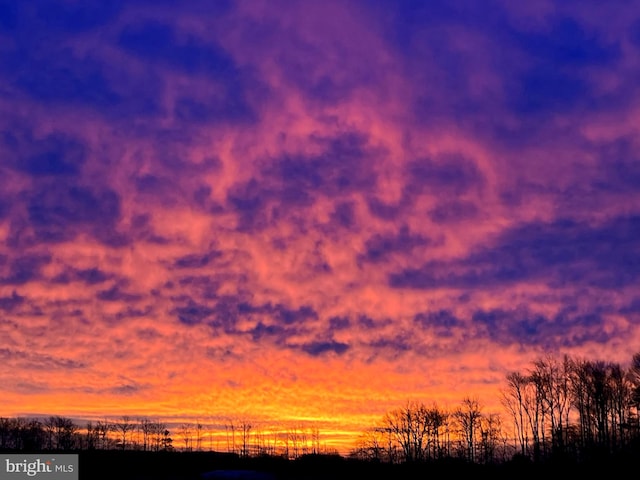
point(289, 316)
point(19, 359)
point(196, 260)
point(75, 18)
point(442, 322)
point(58, 212)
point(320, 348)
point(619, 168)
point(56, 154)
point(449, 174)
point(64, 78)
point(390, 347)
point(559, 253)
point(337, 170)
point(24, 269)
point(161, 44)
point(560, 56)
point(383, 210)
point(193, 313)
point(339, 323)
point(565, 329)
point(8, 304)
point(453, 212)
point(89, 276)
point(381, 246)
point(298, 181)
point(116, 294)
point(126, 389)
point(156, 41)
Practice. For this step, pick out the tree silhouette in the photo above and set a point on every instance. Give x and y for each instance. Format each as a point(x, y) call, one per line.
point(185, 432)
point(513, 399)
point(123, 427)
point(102, 428)
point(167, 441)
point(158, 436)
point(199, 428)
point(468, 418)
point(65, 430)
point(245, 429)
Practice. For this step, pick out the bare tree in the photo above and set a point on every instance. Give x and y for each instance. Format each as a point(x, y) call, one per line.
point(403, 424)
point(536, 413)
point(315, 440)
point(513, 399)
point(199, 428)
point(157, 436)
point(372, 445)
point(230, 430)
point(50, 431)
point(436, 420)
point(29, 434)
point(293, 437)
point(552, 379)
point(245, 429)
point(621, 401)
point(468, 417)
point(92, 436)
point(634, 377)
point(185, 432)
point(123, 428)
point(490, 435)
point(413, 433)
point(145, 426)
point(64, 433)
point(167, 441)
point(103, 427)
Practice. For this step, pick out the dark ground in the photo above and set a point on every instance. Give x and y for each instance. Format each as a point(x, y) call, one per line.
point(138, 465)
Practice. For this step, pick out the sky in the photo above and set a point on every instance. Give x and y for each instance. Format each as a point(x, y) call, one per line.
point(311, 212)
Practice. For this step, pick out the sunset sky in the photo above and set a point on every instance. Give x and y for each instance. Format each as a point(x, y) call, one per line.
point(311, 212)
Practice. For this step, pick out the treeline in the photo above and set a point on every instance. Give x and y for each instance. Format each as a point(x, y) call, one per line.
point(417, 433)
point(570, 409)
point(239, 437)
point(63, 434)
